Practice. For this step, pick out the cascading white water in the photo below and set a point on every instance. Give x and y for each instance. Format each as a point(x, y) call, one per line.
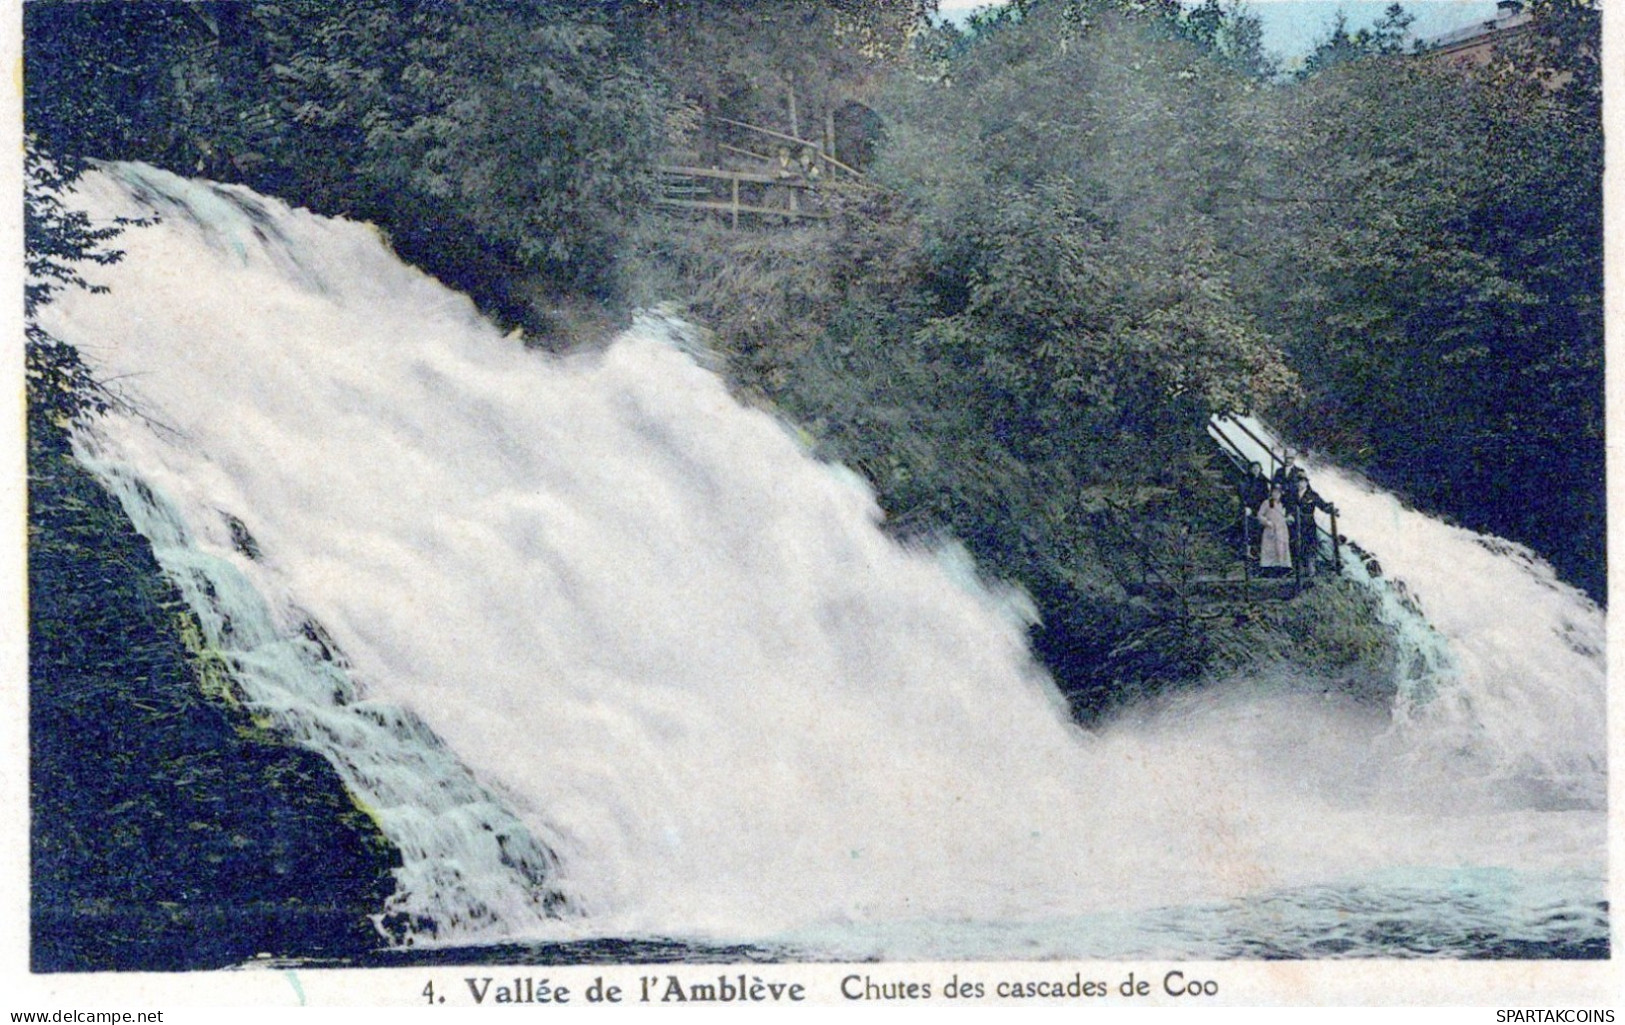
point(674, 647)
point(1519, 702)
point(467, 863)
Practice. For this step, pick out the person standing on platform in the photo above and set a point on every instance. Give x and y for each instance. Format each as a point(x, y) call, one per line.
point(1254, 491)
point(1300, 521)
point(1275, 544)
point(1308, 501)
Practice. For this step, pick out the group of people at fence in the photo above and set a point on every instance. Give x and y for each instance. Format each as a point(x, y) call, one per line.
point(1283, 507)
point(803, 164)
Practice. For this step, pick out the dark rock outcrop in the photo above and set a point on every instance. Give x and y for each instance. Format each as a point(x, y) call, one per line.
point(168, 833)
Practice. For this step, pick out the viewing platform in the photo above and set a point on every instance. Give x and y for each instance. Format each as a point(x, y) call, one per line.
point(1314, 550)
point(788, 183)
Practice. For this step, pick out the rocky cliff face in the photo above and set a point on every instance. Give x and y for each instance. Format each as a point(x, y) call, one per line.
point(168, 832)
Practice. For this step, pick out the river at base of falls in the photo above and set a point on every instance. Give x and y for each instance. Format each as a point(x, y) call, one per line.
point(1465, 914)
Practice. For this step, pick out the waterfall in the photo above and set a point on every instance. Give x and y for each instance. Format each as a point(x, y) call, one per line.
point(1508, 676)
point(467, 863)
point(607, 653)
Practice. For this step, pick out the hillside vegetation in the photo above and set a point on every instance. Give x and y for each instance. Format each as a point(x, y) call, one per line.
point(1080, 227)
point(1051, 243)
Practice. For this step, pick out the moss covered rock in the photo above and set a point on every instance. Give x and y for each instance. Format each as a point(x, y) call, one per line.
point(167, 832)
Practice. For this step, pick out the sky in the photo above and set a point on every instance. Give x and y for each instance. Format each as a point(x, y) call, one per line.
point(1292, 27)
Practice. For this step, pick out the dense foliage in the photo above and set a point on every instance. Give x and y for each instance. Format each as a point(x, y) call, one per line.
point(167, 832)
point(1063, 235)
point(499, 143)
point(1438, 280)
point(1097, 221)
point(1085, 224)
point(1031, 365)
point(59, 241)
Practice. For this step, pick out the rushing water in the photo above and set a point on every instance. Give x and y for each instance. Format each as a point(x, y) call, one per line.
point(611, 658)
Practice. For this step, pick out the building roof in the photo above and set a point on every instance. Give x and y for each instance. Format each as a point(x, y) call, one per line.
point(1510, 18)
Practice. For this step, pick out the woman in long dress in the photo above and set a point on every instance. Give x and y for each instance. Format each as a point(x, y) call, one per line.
point(1275, 546)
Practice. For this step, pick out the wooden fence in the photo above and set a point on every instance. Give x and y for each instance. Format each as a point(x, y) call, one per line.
point(732, 193)
point(783, 190)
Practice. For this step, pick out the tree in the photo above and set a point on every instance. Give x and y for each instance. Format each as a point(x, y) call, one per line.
point(59, 241)
point(532, 126)
point(1386, 37)
point(1032, 365)
point(527, 127)
point(800, 68)
point(1561, 56)
point(98, 77)
point(1440, 291)
point(1231, 33)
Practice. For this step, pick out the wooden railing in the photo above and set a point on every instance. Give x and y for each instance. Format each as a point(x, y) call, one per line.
point(745, 192)
point(830, 164)
point(785, 188)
